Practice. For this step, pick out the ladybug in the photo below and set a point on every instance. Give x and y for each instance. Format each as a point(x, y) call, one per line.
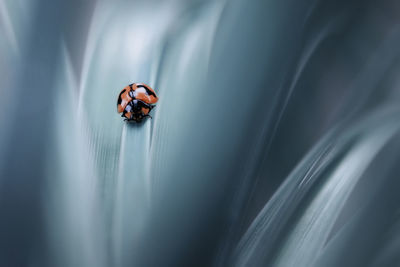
point(136, 101)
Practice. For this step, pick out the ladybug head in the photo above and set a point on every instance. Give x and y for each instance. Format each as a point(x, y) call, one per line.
point(137, 110)
point(136, 105)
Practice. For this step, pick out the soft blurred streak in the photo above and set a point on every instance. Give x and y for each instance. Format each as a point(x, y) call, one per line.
point(309, 236)
point(315, 192)
point(15, 17)
point(14, 24)
point(76, 236)
point(7, 27)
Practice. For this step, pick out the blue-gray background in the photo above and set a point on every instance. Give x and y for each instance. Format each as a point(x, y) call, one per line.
point(275, 141)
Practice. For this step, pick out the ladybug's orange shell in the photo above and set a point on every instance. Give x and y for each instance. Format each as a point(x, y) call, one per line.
point(141, 94)
point(144, 96)
point(123, 99)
